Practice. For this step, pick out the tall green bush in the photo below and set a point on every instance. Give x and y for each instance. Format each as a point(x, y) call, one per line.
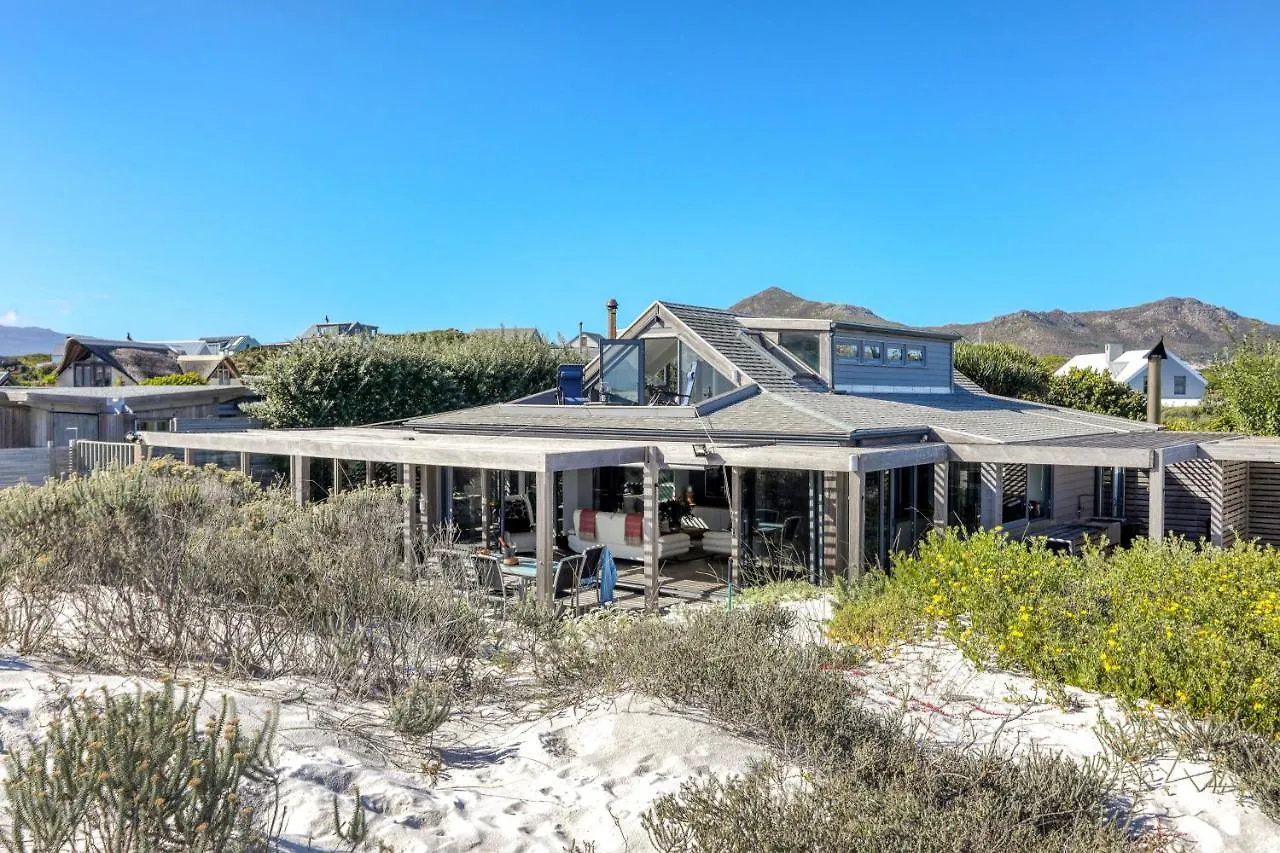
point(1003, 369)
point(352, 381)
point(176, 379)
point(1092, 391)
point(1245, 387)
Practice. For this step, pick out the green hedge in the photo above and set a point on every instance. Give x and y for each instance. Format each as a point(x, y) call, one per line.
point(350, 381)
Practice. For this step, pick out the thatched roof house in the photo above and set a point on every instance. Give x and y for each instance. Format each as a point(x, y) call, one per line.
point(98, 362)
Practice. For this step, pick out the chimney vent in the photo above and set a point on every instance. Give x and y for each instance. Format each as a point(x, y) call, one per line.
point(612, 307)
point(1113, 351)
point(1155, 370)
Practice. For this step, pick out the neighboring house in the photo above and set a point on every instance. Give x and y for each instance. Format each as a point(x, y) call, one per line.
point(230, 344)
point(585, 344)
point(217, 369)
point(337, 330)
point(100, 363)
point(32, 416)
point(514, 333)
point(1180, 383)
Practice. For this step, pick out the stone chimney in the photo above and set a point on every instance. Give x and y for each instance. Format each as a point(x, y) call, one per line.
point(612, 307)
point(1155, 369)
point(1113, 351)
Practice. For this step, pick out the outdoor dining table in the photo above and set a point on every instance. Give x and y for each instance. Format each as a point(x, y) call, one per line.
point(526, 571)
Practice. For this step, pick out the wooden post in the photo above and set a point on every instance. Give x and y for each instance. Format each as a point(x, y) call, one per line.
point(857, 520)
point(941, 492)
point(830, 525)
point(428, 498)
point(246, 464)
point(188, 456)
point(1155, 497)
point(484, 507)
point(337, 477)
point(300, 478)
point(992, 503)
point(53, 460)
point(650, 528)
point(735, 524)
point(412, 526)
point(545, 528)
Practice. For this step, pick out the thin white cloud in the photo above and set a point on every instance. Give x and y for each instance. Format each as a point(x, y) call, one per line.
point(9, 318)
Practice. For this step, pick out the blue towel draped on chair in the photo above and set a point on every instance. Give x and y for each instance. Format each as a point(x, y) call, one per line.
point(608, 576)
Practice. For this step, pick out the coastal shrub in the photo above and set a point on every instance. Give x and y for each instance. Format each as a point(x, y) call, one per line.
point(855, 778)
point(176, 379)
point(1245, 386)
point(137, 773)
point(360, 380)
point(780, 591)
point(1093, 391)
point(1003, 369)
point(421, 708)
point(1189, 627)
point(164, 566)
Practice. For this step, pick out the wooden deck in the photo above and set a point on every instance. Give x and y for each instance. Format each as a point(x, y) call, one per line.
point(694, 577)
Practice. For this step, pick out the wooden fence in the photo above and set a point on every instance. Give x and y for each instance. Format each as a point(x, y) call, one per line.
point(89, 456)
point(31, 465)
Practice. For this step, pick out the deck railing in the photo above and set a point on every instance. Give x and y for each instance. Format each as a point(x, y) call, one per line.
point(89, 456)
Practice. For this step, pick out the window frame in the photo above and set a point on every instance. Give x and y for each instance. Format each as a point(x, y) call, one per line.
point(1180, 382)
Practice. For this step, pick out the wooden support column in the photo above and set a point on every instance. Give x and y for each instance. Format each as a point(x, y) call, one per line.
point(735, 524)
point(545, 528)
point(941, 491)
point(829, 563)
point(338, 477)
point(857, 521)
point(412, 521)
point(650, 528)
point(1155, 497)
point(485, 511)
point(300, 478)
point(246, 463)
point(188, 456)
point(428, 497)
point(992, 502)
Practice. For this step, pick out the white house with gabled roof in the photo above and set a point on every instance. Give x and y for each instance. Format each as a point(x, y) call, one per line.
point(1181, 384)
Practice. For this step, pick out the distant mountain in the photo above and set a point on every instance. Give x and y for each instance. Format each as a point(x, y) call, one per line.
point(1195, 330)
point(28, 340)
point(776, 302)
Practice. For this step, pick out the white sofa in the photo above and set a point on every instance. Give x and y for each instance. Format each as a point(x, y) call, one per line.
point(611, 530)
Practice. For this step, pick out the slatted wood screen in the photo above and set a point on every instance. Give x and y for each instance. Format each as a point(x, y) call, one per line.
point(1188, 498)
point(1264, 501)
point(1231, 501)
point(15, 427)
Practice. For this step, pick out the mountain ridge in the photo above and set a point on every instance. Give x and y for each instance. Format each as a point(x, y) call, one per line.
point(29, 340)
point(1193, 328)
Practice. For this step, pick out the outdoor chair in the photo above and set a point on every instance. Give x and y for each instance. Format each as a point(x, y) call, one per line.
point(491, 583)
point(578, 575)
point(457, 569)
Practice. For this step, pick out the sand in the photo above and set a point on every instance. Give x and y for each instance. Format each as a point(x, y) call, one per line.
point(540, 782)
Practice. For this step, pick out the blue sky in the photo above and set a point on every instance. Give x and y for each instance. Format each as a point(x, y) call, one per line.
point(174, 169)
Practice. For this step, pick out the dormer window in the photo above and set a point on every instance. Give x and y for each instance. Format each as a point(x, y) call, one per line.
point(805, 346)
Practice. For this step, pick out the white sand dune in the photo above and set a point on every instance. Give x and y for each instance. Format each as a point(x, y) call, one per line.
point(533, 782)
point(513, 782)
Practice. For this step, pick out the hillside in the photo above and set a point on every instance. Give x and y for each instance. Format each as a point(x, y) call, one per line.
point(27, 340)
point(1194, 329)
point(776, 302)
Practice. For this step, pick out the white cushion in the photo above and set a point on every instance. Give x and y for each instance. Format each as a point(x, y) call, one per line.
point(611, 529)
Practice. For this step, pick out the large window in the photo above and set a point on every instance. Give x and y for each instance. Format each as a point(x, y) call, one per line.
point(1028, 493)
point(91, 374)
point(805, 346)
point(675, 375)
point(888, 353)
point(622, 368)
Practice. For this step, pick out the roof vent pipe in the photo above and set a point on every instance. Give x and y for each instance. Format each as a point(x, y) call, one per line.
point(1154, 371)
point(612, 307)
